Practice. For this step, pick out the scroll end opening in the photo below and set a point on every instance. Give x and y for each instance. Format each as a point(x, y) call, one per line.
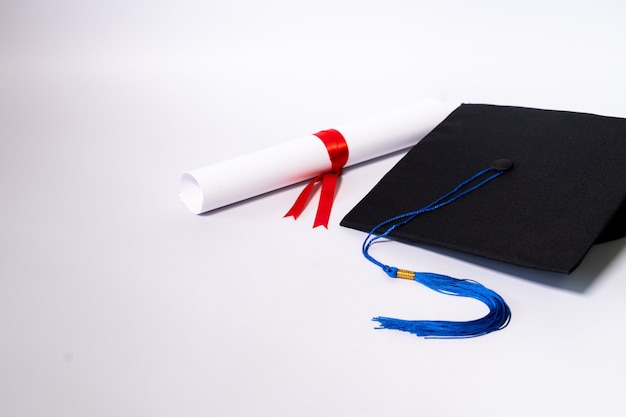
point(191, 193)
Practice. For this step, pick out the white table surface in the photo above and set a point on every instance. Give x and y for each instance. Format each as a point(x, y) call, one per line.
point(115, 300)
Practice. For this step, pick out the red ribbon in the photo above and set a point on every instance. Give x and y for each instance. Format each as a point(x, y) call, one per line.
point(338, 153)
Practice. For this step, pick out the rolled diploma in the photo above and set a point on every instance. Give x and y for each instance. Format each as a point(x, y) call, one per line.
point(249, 175)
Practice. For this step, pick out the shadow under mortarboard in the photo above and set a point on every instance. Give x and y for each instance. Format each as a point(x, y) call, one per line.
point(580, 280)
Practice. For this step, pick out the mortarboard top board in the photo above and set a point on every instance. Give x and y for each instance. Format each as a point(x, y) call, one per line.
point(565, 191)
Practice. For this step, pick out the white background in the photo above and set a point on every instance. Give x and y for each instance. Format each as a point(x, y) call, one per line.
point(116, 301)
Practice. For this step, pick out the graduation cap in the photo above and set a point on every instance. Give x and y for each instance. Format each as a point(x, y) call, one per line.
point(565, 191)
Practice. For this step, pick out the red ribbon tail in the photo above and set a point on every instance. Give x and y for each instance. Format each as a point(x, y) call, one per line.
point(337, 149)
point(329, 183)
point(298, 207)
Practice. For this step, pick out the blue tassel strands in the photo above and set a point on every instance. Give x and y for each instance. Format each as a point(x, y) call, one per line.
point(498, 317)
point(499, 314)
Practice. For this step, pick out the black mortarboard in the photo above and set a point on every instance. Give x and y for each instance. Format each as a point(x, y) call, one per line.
point(565, 191)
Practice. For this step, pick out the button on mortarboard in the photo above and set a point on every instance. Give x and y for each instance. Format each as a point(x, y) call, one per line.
point(502, 164)
point(566, 191)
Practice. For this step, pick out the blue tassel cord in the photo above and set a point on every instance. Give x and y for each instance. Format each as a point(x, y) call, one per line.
point(499, 314)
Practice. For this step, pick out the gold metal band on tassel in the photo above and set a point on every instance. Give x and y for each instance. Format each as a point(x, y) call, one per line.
point(405, 274)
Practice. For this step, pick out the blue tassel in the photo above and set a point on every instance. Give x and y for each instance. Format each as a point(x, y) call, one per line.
point(499, 314)
point(498, 317)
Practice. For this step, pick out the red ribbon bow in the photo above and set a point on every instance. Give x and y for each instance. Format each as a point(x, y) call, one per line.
point(338, 153)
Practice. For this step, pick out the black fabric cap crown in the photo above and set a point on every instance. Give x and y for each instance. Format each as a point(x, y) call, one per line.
point(565, 191)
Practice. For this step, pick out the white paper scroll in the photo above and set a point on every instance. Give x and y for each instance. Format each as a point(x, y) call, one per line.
point(246, 176)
